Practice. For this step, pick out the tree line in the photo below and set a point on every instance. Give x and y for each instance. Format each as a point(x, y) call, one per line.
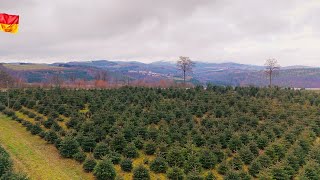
point(101, 78)
point(186, 65)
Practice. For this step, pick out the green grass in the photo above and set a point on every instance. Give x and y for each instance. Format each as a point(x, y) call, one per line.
point(19, 67)
point(34, 156)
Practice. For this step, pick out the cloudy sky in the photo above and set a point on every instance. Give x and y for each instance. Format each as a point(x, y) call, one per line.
point(244, 31)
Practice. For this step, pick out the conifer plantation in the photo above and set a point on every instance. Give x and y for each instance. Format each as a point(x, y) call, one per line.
point(6, 167)
point(174, 133)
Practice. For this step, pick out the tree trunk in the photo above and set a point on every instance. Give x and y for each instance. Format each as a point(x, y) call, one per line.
point(270, 78)
point(184, 78)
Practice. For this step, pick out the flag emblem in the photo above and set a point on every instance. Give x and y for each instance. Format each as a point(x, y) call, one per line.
point(9, 23)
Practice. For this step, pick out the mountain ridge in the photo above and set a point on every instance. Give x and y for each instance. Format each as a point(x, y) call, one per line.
point(227, 73)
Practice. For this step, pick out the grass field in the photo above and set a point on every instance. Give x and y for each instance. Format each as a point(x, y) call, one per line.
point(34, 156)
point(22, 67)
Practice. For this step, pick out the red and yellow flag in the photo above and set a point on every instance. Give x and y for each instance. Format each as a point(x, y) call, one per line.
point(9, 23)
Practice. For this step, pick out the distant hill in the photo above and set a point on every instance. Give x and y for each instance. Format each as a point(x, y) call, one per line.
point(233, 74)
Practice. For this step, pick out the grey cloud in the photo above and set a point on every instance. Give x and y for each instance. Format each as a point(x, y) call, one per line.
point(246, 31)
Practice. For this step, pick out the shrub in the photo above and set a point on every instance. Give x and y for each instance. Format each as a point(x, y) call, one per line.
point(61, 109)
point(194, 176)
point(62, 132)
point(235, 163)
point(279, 172)
point(60, 119)
point(146, 161)
point(175, 174)
point(264, 160)
point(104, 170)
point(19, 120)
point(48, 123)
point(46, 111)
point(57, 143)
point(55, 126)
point(24, 111)
point(51, 137)
point(254, 168)
point(138, 143)
point(101, 150)
point(13, 176)
point(141, 173)
point(232, 176)
point(159, 165)
point(246, 155)
point(31, 104)
point(254, 148)
point(16, 106)
point(31, 115)
point(14, 117)
point(114, 157)
point(150, 148)
point(68, 147)
point(207, 159)
point(88, 143)
point(28, 125)
point(118, 143)
point(38, 118)
point(73, 122)
point(244, 175)
point(5, 164)
point(89, 164)
point(235, 143)
point(8, 112)
point(80, 156)
point(192, 164)
point(222, 168)
point(262, 142)
point(175, 157)
point(198, 140)
point(210, 176)
point(53, 115)
point(131, 151)
point(126, 165)
point(42, 134)
point(36, 129)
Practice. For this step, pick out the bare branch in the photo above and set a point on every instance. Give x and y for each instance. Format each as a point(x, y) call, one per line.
point(271, 69)
point(185, 65)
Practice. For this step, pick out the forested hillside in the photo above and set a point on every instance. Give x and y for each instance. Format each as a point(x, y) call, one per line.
point(152, 133)
point(115, 73)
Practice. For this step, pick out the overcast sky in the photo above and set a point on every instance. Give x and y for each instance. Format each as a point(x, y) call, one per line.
point(243, 31)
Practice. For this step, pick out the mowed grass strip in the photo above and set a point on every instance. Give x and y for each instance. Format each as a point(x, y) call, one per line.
point(29, 67)
point(34, 156)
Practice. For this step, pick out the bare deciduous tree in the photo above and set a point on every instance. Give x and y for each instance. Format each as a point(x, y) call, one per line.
point(6, 77)
point(185, 65)
point(72, 78)
point(272, 67)
point(57, 80)
point(101, 75)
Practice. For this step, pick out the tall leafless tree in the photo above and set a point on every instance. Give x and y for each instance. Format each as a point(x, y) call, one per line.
point(185, 65)
point(6, 77)
point(57, 80)
point(272, 68)
point(72, 78)
point(101, 75)
point(104, 75)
